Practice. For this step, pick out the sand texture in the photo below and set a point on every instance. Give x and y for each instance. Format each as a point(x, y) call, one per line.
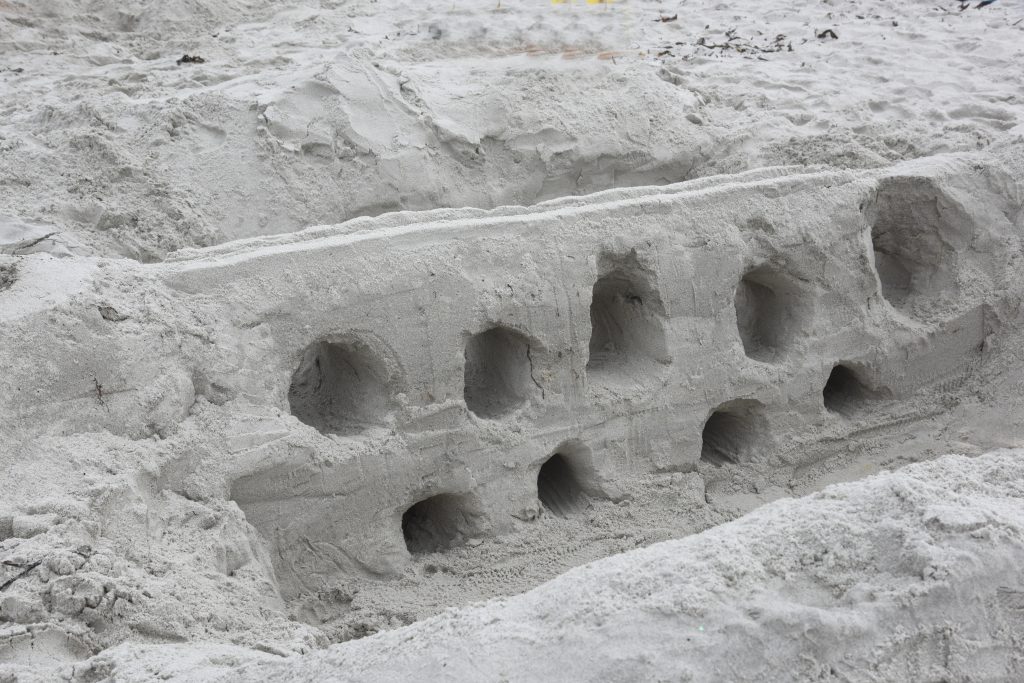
point(511, 341)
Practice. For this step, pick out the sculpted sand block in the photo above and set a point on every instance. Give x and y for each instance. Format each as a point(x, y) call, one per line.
point(442, 372)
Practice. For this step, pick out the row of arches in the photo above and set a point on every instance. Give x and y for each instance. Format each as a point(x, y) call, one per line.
point(343, 384)
point(737, 430)
point(346, 383)
point(449, 519)
point(734, 433)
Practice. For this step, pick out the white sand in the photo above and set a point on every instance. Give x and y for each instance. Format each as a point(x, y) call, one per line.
point(905, 576)
point(911, 575)
point(180, 497)
point(310, 113)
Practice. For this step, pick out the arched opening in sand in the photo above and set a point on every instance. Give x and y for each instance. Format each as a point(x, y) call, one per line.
point(770, 313)
point(440, 522)
point(916, 234)
point(736, 432)
point(498, 372)
point(559, 487)
point(340, 387)
point(626, 318)
point(845, 392)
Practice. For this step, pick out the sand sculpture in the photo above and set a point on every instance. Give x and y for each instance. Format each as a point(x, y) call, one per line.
point(663, 377)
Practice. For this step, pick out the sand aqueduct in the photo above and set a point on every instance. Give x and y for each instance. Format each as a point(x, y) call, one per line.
point(453, 373)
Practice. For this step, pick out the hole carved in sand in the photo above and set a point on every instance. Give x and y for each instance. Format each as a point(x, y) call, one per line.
point(440, 522)
point(916, 235)
point(735, 433)
point(567, 479)
point(626, 318)
point(846, 393)
point(498, 372)
point(559, 487)
point(340, 387)
point(771, 313)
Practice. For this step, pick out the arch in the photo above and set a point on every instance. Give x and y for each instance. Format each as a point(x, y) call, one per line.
point(770, 313)
point(845, 392)
point(626, 317)
point(440, 522)
point(917, 233)
point(735, 432)
point(498, 372)
point(340, 387)
point(558, 487)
